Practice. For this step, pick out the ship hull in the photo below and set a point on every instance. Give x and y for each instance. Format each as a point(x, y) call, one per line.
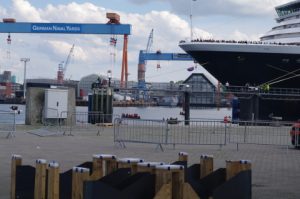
point(240, 68)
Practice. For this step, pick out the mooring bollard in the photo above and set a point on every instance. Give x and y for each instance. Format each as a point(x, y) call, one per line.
point(148, 166)
point(173, 175)
point(103, 164)
point(206, 165)
point(53, 181)
point(79, 175)
point(183, 156)
point(235, 167)
point(129, 163)
point(16, 160)
point(40, 179)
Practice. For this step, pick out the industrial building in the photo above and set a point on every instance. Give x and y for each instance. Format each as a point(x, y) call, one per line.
point(203, 91)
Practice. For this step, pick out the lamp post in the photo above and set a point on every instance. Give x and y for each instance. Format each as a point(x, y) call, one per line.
point(191, 18)
point(25, 60)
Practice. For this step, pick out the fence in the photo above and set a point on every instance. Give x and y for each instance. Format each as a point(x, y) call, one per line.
point(140, 131)
point(204, 132)
point(169, 132)
point(84, 121)
point(8, 123)
point(261, 133)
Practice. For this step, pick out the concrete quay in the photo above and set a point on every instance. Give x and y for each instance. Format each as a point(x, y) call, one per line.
point(276, 170)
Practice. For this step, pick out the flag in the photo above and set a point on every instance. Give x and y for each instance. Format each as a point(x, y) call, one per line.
point(113, 41)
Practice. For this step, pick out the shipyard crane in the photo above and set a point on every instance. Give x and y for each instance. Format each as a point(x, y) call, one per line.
point(62, 67)
point(113, 27)
point(158, 56)
point(149, 44)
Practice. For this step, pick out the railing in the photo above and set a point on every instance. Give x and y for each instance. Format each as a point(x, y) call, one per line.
point(204, 132)
point(169, 132)
point(260, 133)
point(85, 121)
point(8, 123)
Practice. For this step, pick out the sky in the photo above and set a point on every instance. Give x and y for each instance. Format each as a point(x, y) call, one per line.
point(170, 19)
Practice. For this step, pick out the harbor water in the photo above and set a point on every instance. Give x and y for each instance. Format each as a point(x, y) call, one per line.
point(157, 113)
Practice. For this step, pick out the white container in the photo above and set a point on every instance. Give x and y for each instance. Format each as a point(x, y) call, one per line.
point(56, 102)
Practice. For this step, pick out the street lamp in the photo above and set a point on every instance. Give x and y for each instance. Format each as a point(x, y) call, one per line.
point(25, 60)
point(191, 18)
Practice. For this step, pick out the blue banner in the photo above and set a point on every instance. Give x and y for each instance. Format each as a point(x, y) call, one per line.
point(55, 28)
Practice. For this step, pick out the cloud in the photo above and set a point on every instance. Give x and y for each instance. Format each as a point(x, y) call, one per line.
point(3, 11)
point(92, 53)
point(22, 9)
point(221, 7)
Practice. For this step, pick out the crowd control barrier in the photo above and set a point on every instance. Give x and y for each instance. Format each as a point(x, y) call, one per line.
point(8, 123)
point(205, 132)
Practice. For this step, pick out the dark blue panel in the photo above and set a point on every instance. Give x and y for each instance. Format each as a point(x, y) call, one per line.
point(66, 28)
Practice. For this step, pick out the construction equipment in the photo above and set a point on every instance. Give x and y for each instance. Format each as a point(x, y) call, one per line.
point(113, 27)
point(142, 66)
point(62, 67)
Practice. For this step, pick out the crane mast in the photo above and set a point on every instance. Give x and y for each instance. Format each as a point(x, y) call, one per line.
point(62, 67)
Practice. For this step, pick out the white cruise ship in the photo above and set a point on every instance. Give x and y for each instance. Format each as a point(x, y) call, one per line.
point(275, 60)
point(288, 25)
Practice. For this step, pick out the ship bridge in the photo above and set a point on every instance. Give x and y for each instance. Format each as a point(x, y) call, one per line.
point(288, 10)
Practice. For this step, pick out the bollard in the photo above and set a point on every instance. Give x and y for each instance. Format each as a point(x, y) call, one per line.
point(173, 175)
point(129, 163)
point(16, 160)
point(206, 165)
point(40, 179)
point(53, 181)
point(148, 166)
point(79, 175)
point(235, 167)
point(183, 156)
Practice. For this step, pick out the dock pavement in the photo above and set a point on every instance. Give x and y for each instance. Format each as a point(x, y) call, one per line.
point(275, 169)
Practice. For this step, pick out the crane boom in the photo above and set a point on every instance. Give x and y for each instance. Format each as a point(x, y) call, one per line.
point(149, 43)
point(68, 58)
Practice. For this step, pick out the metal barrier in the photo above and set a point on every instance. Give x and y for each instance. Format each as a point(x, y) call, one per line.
point(8, 122)
point(175, 132)
point(169, 132)
point(196, 133)
point(84, 121)
point(140, 131)
point(50, 124)
point(260, 133)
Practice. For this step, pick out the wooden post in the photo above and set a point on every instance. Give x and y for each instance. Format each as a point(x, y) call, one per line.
point(183, 156)
point(40, 179)
point(110, 163)
point(79, 175)
point(148, 166)
point(206, 165)
point(129, 163)
point(103, 164)
point(16, 160)
point(97, 168)
point(235, 167)
point(53, 180)
point(173, 175)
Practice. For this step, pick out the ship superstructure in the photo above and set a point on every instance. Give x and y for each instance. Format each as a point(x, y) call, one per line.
point(275, 60)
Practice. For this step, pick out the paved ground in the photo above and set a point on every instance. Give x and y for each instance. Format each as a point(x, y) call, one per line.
point(276, 170)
